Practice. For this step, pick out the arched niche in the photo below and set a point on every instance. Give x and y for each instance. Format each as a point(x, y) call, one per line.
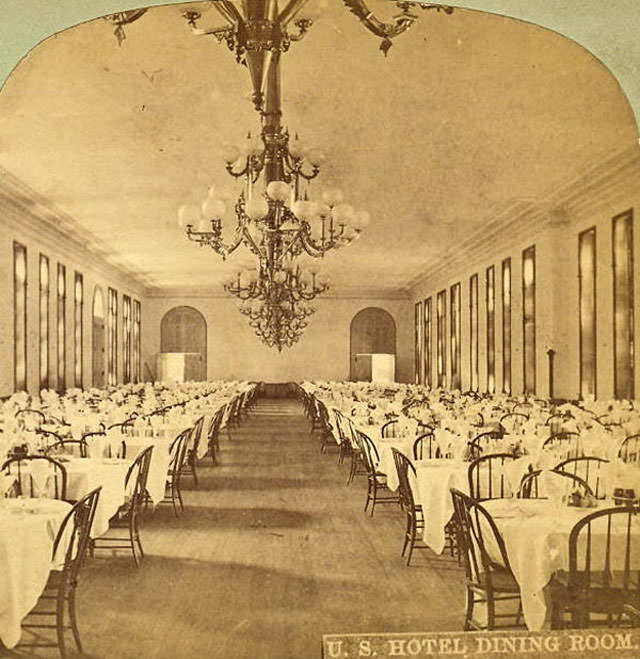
point(373, 330)
point(98, 338)
point(184, 329)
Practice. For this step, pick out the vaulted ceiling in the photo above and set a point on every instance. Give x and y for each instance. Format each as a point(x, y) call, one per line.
point(467, 113)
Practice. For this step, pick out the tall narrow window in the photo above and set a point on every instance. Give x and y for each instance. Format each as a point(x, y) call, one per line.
point(61, 327)
point(529, 318)
point(44, 322)
point(136, 342)
point(112, 336)
point(623, 330)
point(441, 321)
point(78, 300)
point(506, 326)
point(126, 339)
point(19, 317)
point(418, 340)
point(491, 328)
point(587, 311)
point(473, 332)
point(428, 347)
point(455, 331)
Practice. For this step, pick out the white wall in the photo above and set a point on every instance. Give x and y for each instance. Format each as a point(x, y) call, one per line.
point(21, 222)
point(234, 352)
point(552, 225)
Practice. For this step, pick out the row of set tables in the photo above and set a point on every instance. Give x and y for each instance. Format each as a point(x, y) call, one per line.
point(28, 526)
point(535, 531)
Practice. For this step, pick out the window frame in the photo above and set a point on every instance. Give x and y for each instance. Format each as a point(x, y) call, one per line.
point(529, 378)
point(507, 336)
point(20, 285)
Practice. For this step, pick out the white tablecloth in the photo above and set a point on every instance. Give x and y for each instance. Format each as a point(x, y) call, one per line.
point(85, 474)
point(536, 535)
point(26, 543)
point(434, 479)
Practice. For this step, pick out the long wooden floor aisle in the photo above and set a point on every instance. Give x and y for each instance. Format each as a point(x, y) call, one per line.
point(272, 551)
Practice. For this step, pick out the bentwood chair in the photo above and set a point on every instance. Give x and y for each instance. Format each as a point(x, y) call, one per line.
point(512, 420)
point(479, 443)
point(565, 441)
point(424, 447)
point(77, 447)
point(487, 477)
point(630, 450)
point(192, 449)
point(58, 601)
point(343, 435)
point(389, 428)
point(31, 419)
point(177, 453)
point(489, 579)
point(213, 436)
point(128, 515)
point(413, 511)
point(602, 577)
point(90, 437)
point(587, 469)
point(50, 482)
point(531, 487)
point(377, 489)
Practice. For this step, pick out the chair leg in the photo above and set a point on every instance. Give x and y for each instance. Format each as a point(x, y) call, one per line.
point(412, 539)
point(406, 535)
point(469, 612)
point(60, 606)
point(73, 620)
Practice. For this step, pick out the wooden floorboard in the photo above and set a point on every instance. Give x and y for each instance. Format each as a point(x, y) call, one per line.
point(272, 551)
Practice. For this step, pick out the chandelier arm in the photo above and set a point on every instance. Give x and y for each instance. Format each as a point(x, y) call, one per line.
point(229, 11)
point(290, 12)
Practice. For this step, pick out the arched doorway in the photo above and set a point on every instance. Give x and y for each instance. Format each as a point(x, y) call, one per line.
point(373, 331)
point(97, 338)
point(184, 330)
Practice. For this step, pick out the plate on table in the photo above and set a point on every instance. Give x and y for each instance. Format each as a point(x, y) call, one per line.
point(32, 506)
point(512, 508)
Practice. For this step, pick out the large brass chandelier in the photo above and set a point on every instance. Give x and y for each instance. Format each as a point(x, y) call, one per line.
point(274, 216)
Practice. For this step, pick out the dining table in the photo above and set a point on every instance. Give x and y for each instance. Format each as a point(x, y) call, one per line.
point(536, 537)
point(431, 489)
point(28, 528)
point(86, 474)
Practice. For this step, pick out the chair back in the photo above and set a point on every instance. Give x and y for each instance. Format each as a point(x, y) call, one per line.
point(70, 544)
point(36, 475)
point(30, 419)
point(135, 482)
point(603, 551)
point(480, 443)
point(564, 440)
point(588, 470)
point(424, 447)
point(511, 421)
point(389, 428)
point(487, 477)
point(178, 452)
point(532, 488)
point(404, 468)
point(196, 434)
point(342, 428)
point(476, 531)
point(76, 447)
point(630, 450)
point(369, 453)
